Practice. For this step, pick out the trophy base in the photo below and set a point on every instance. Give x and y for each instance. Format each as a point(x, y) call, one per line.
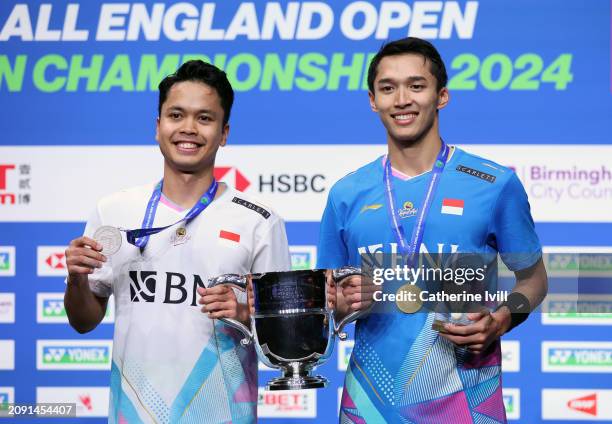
point(297, 383)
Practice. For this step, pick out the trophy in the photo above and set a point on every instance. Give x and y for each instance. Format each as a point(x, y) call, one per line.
point(292, 327)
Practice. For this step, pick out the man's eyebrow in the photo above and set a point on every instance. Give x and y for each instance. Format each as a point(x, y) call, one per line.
point(412, 78)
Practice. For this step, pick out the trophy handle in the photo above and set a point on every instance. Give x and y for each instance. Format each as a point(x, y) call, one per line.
point(238, 282)
point(339, 275)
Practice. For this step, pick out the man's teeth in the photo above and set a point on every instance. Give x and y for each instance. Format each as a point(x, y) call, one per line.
point(404, 117)
point(187, 145)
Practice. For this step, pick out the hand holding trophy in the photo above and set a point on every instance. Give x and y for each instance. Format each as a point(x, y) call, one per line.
point(292, 324)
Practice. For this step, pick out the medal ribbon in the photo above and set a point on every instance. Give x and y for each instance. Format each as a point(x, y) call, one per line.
point(140, 237)
point(412, 248)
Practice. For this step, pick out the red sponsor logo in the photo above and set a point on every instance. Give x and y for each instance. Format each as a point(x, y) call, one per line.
point(6, 198)
point(284, 401)
point(56, 261)
point(86, 401)
point(586, 404)
point(232, 176)
point(228, 235)
point(3, 171)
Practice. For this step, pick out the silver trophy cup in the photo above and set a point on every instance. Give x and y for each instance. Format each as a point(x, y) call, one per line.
point(292, 327)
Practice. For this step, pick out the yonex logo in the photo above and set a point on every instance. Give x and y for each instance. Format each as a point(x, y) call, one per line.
point(301, 260)
point(4, 262)
point(509, 403)
point(53, 308)
point(577, 357)
point(76, 355)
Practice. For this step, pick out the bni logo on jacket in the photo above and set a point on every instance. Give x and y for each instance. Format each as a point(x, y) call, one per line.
point(73, 354)
point(577, 357)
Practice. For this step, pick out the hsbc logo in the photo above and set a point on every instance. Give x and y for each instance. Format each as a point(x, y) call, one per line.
point(272, 183)
point(51, 261)
point(232, 177)
point(7, 261)
point(73, 354)
point(50, 309)
point(511, 355)
point(287, 403)
point(345, 348)
point(89, 401)
point(578, 404)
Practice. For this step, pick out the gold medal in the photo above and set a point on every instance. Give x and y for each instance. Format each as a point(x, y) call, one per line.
point(407, 298)
point(181, 231)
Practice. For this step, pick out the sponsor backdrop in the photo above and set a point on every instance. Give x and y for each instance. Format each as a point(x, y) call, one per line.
point(530, 87)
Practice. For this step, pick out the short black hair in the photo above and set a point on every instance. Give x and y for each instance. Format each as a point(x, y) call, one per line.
point(410, 45)
point(200, 71)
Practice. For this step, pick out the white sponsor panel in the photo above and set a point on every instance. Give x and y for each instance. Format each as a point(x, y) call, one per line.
point(73, 354)
point(7, 354)
point(577, 357)
point(287, 403)
point(51, 261)
point(512, 403)
point(511, 355)
point(303, 257)
point(577, 309)
point(7, 308)
point(50, 309)
point(345, 348)
point(577, 404)
point(90, 401)
point(573, 185)
point(7, 260)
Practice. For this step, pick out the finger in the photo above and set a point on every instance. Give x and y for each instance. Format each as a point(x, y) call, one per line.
point(219, 306)
point(80, 270)
point(218, 290)
point(353, 280)
point(90, 253)
point(83, 261)
point(476, 316)
point(212, 298)
point(201, 291)
point(462, 330)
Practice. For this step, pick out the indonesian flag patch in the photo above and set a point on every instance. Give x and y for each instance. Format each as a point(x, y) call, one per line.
point(228, 235)
point(452, 206)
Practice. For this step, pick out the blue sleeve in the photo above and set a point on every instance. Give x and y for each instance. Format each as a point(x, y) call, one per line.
point(332, 251)
point(513, 229)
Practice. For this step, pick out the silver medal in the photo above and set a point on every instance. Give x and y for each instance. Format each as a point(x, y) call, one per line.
point(110, 239)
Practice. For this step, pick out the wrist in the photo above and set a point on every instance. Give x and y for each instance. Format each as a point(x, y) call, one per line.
point(503, 316)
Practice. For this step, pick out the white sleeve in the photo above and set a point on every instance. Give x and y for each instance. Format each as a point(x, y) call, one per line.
point(271, 249)
point(101, 281)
